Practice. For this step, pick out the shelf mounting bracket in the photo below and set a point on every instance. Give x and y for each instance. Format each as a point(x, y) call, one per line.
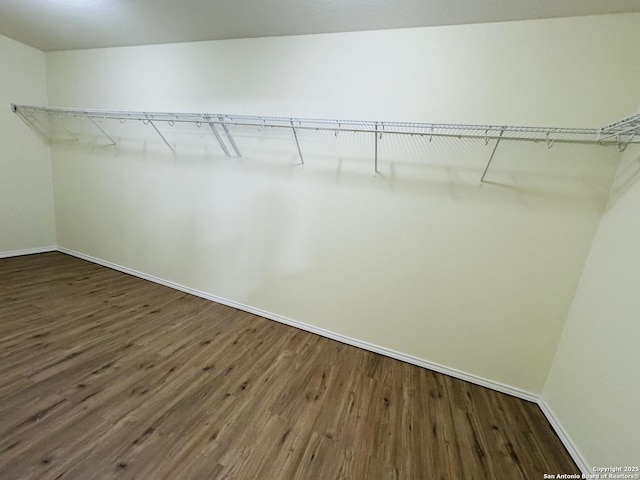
point(375, 158)
point(150, 122)
point(102, 130)
point(231, 140)
point(493, 152)
point(622, 146)
point(295, 136)
point(218, 138)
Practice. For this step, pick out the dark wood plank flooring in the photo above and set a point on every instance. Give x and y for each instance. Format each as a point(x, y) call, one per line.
point(107, 376)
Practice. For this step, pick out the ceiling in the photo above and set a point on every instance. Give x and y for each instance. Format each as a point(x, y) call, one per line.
point(75, 24)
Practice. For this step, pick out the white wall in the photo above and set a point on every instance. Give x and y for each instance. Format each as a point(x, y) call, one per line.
point(26, 190)
point(418, 259)
point(593, 385)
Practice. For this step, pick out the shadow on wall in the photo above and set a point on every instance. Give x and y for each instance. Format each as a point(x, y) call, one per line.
point(217, 204)
point(564, 176)
point(199, 203)
point(628, 174)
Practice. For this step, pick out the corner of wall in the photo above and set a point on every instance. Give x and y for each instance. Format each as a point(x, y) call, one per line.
point(564, 436)
point(51, 162)
point(26, 197)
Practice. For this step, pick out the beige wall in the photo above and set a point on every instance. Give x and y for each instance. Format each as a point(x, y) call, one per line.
point(593, 386)
point(26, 190)
point(418, 259)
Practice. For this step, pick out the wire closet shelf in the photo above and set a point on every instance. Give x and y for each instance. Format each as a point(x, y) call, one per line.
point(621, 133)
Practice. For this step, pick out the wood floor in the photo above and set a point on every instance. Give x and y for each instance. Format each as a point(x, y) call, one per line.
point(103, 375)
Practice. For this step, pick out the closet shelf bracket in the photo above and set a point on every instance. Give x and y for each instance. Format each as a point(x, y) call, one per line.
point(218, 138)
point(149, 121)
point(493, 152)
point(375, 158)
point(295, 137)
point(102, 130)
point(228, 133)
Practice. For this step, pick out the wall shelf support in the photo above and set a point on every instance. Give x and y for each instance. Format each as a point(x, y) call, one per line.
point(219, 139)
point(102, 130)
point(150, 122)
point(228, 133)
point(375, 158)
point(493, 152)
point(295, 136)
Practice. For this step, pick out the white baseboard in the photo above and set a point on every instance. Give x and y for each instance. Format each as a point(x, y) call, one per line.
point(571, 447)
point(452, 372)
point(28, 251)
